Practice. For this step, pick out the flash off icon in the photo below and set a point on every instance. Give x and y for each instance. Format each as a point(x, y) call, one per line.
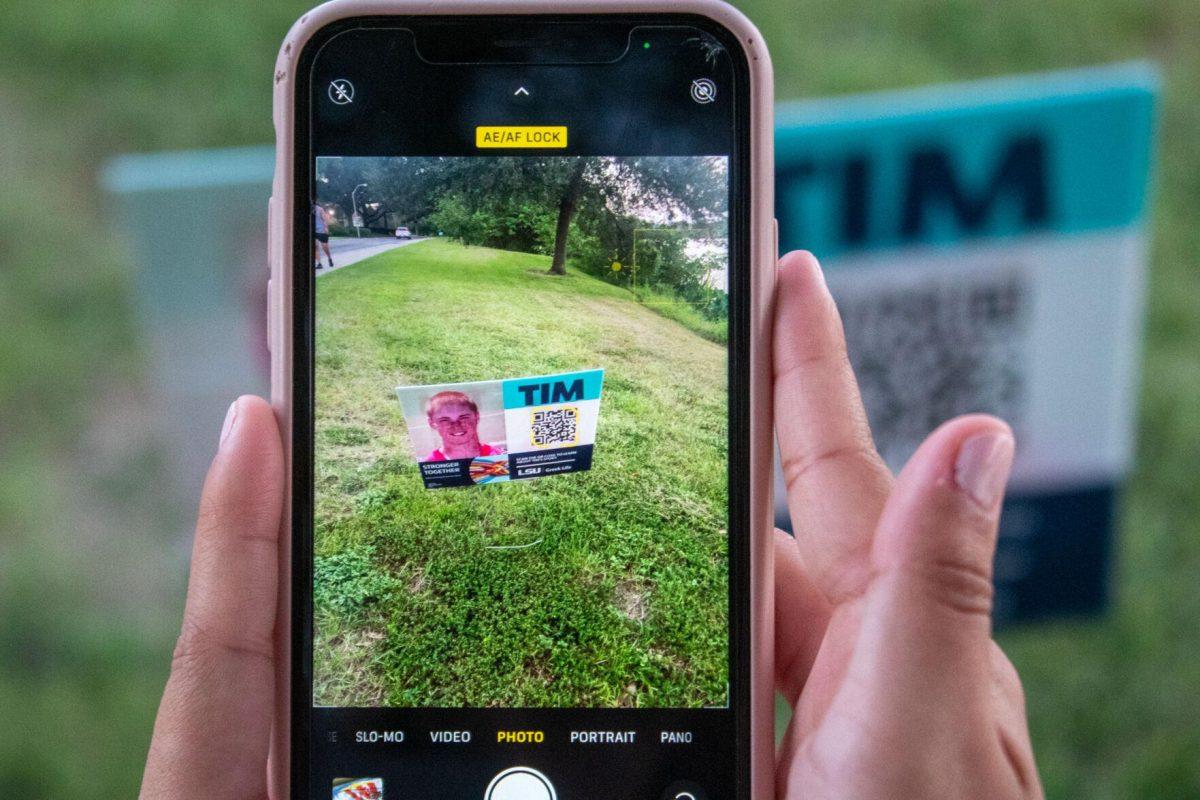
point(703, 90)
point(341, 91)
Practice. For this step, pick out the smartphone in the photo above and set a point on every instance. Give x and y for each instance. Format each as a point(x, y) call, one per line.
point(522, 255)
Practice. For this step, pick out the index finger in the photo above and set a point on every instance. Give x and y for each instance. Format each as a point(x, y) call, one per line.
point(836, 481)
point(214, 723)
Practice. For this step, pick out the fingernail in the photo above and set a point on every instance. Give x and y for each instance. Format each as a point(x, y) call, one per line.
point(981, 469)
point(230, 418)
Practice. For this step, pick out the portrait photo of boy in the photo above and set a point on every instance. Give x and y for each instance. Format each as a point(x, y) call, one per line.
point(454, 417)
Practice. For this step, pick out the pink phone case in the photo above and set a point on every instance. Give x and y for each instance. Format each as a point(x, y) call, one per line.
point(763, 254)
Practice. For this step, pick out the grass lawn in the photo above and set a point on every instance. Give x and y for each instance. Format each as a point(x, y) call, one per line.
point(623, 603)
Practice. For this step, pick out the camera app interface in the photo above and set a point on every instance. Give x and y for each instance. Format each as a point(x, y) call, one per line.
point(521, 533)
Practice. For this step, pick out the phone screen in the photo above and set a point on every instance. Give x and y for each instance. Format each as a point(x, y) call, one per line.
point(521, 525)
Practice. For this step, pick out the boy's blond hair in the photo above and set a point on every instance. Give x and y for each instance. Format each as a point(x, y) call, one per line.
point(441, 399)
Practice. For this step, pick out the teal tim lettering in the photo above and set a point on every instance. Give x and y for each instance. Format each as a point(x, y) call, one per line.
point(557, 392)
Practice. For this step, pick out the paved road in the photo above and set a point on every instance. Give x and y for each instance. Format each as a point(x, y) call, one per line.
point(349, 250)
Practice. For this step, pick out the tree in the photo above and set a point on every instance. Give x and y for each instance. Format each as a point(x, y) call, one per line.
point(566, 209)
point(518, 193)
point(404, 187)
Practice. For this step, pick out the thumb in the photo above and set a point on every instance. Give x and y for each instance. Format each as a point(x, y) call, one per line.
point(927, 614)
point(936, 538)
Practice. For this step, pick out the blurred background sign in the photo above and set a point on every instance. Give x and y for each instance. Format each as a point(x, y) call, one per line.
point(196, 225)
point(986, 243)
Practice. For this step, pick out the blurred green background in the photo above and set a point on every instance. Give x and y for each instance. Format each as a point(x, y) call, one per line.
point(92, 566)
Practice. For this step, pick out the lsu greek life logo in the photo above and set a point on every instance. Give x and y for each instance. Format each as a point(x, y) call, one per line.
point(468, 434)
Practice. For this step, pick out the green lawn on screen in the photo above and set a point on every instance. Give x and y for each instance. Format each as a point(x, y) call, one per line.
point(622, 603)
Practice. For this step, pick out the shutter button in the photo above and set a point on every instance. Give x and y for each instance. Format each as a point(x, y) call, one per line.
point(520, 783)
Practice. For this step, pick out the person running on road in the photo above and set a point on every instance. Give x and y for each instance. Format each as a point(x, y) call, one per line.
point(321, 235)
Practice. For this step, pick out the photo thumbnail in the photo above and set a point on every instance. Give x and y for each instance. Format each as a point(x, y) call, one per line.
point(358, 789)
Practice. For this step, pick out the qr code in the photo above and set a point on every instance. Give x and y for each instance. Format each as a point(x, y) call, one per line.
point(554, 426)
point(936, 348)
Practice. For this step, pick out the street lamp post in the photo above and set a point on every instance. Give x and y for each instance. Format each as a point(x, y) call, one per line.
point(357, 218)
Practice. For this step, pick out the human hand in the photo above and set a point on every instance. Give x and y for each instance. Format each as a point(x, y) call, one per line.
point(882, 630)
point(883, 599)
point(214, 724)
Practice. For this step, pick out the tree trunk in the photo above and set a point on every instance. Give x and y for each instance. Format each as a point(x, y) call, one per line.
point(566, 209)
